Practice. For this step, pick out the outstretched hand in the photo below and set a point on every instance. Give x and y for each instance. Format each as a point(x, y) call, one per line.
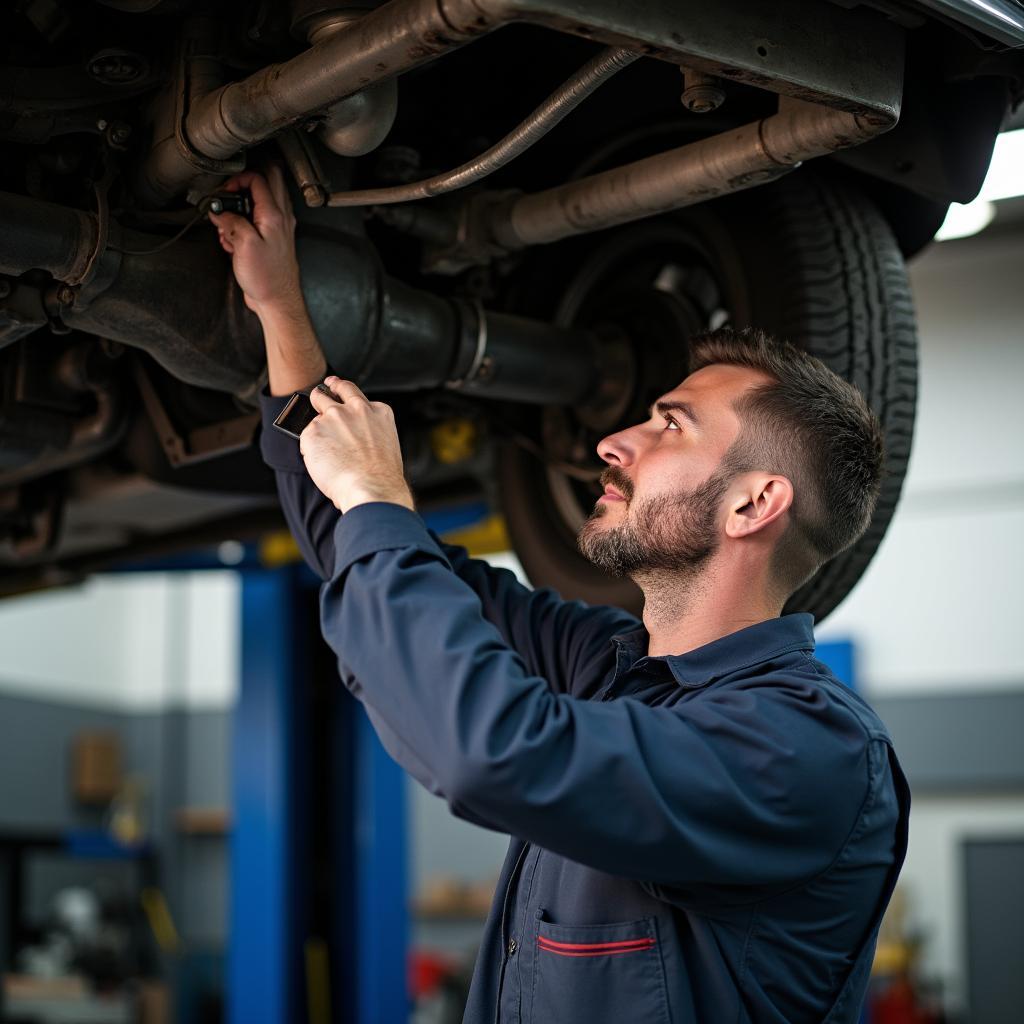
point(351, 449)
point(263, 252)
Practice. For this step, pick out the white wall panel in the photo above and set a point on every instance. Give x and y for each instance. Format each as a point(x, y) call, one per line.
point(970, 308)
point(135, 641)
point(940, 606)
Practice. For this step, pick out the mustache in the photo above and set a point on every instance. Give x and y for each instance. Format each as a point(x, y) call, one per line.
point(616, 477)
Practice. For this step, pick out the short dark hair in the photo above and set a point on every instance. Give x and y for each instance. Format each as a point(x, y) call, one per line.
point(810, 426)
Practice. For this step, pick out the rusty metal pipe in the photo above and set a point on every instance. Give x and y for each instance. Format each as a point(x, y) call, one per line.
point(181, 305)
point(358, 124)
point(736, 160)
point(404, 34)
point(396, 37)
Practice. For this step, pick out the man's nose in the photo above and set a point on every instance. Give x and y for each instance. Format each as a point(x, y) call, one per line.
point(619, 449)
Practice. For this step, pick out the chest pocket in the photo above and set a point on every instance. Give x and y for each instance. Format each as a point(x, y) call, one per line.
point(597, 973)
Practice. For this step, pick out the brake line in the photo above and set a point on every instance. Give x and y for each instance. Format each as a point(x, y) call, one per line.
point(530, 131)
point(163, 245)
point(203, 207)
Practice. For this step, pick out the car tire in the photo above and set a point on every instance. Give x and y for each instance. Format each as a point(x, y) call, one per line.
point(807, 258)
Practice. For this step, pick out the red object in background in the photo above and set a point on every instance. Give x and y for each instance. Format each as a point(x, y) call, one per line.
point(427, 971)
point(896, 1003)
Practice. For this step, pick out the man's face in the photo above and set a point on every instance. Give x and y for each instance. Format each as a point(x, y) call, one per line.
point(664, 501)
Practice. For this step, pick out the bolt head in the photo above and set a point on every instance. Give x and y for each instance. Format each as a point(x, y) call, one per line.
point(312, 195)
point(702, 99)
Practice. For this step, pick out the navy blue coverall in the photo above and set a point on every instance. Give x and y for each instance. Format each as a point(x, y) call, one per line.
point(703, 838)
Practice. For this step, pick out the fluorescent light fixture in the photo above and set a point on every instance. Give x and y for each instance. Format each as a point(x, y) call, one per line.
point(1005, 180)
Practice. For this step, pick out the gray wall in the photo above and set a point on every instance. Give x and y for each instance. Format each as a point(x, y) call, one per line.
point(959, 743)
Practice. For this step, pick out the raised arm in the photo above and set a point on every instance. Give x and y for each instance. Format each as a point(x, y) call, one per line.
point(555, 638)
point(267, 270)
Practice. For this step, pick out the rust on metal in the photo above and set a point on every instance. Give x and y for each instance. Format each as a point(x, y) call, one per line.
point(729, 162)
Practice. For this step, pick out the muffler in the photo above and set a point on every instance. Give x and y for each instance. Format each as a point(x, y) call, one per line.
point(181, 304)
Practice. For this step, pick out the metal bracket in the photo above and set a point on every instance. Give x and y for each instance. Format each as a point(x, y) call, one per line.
point(104, 261)
point(304, 165)
point(479, 365)
point(200, 444)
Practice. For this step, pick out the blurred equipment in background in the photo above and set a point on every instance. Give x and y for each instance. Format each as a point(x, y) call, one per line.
point(898, 993)
point(95, 767)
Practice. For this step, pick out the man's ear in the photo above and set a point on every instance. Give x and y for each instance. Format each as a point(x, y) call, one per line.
point(756, 501)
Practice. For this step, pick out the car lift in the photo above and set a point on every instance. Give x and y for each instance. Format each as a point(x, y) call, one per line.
point(318, 850)
point(319, 919)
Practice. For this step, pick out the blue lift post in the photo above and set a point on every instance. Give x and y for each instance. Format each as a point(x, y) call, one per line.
point(381, 880)
point(264, 968)
point(840, 656)
point(279, 884)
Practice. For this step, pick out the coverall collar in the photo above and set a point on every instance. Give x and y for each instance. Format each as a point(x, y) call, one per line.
point(749, 646)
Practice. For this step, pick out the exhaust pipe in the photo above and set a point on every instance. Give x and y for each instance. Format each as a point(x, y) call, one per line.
point(863, 76)
point(183, 306)
point(752, 155)
point(383, 43)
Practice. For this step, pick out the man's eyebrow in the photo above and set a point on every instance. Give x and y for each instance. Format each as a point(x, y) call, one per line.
point(675, 406)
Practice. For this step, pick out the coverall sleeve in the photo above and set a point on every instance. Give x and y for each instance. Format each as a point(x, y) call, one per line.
point(712, 792)
point(555, 638)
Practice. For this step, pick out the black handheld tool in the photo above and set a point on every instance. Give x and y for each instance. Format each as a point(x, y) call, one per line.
point(298, 413)
point(231, 202)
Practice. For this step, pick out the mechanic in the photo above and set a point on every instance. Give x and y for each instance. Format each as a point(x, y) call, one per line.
point(707, 826)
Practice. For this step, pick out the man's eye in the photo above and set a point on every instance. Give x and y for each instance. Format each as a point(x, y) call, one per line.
point(671, 424)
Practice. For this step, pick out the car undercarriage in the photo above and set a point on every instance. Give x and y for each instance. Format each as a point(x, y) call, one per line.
point(512, 214)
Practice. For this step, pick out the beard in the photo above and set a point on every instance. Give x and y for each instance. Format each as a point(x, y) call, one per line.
point(675, 533)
